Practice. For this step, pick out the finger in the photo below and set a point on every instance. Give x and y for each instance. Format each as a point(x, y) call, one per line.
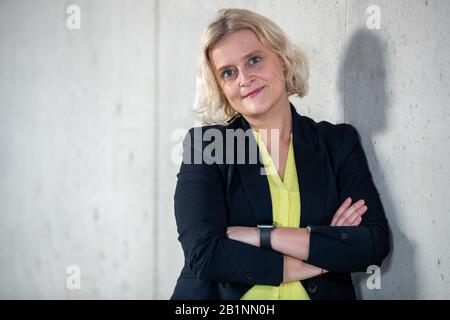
point(356, 222)
point(341, 209)
point(355, 215)
point(350, 220)
point(349, 212)
point(356, 206)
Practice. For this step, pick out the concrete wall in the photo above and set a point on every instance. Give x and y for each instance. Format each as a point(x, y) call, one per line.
point(90, 120)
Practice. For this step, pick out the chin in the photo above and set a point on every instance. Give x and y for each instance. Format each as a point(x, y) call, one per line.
point(256, 109)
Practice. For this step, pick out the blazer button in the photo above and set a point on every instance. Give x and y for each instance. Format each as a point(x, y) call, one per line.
point(249, 275)
point(312, 288)
point(344, 236)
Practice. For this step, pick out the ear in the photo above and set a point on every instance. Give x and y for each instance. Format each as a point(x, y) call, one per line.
point(282, 63)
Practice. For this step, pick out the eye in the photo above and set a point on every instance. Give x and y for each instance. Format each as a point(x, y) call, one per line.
point(227, 73)
point(254, 60)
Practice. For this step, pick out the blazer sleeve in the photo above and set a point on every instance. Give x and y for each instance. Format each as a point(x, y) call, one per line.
point(352, 249)
point(201, 217)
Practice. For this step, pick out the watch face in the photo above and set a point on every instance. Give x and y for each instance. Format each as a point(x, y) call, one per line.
point(267, 226)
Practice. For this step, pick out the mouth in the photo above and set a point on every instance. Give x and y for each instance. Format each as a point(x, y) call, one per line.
point(254, 93)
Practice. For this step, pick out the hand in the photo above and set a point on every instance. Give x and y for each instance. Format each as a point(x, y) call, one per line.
point(249, 235)
point(348, 215)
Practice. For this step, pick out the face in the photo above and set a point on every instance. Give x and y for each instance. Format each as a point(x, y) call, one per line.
point(250, 75)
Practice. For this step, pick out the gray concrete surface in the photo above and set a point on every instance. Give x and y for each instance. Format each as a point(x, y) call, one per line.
point(90, 120)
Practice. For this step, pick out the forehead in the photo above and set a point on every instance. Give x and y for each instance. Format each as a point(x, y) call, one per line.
point(231, 48)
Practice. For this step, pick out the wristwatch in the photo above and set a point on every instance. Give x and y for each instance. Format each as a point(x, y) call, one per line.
point(264, 235)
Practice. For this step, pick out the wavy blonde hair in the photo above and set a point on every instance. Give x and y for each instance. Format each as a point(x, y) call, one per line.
point(210, 102)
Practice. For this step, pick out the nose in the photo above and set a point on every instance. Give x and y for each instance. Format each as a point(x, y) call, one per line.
point(245, 78)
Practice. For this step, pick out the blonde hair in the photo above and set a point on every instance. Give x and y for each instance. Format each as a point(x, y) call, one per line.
point(210, 103)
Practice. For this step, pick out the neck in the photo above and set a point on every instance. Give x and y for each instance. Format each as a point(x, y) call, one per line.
point(279, 118)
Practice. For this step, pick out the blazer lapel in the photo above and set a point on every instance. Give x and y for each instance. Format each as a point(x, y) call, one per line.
point(255, 183)
point(310, 164)
point(310, 167)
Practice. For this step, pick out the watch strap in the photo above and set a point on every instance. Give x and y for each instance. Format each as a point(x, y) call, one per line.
point(264, 238)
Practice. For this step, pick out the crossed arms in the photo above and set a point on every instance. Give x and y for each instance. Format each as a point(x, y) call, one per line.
point(215, 251)
point(293, 243)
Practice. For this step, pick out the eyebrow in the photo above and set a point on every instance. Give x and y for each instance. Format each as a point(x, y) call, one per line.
point(248, 55)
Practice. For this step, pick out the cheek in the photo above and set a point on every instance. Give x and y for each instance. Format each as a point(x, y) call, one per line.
point(277, 79)
point(270, 74)
point(276, 75)
point(231, 91)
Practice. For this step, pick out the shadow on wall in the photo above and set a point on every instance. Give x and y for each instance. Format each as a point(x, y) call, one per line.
point(363, 90)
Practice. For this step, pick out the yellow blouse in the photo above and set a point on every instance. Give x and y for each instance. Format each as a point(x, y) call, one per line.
point(285, 195)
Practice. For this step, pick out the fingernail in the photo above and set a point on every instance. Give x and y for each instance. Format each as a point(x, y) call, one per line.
point(348, 200)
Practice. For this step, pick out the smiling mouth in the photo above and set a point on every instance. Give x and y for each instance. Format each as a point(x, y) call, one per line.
point(254, 93)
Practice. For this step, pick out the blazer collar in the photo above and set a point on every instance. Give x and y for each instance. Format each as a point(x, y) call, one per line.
point(310, 165)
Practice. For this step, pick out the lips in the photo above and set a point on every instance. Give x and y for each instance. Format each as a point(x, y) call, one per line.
point(253, 93)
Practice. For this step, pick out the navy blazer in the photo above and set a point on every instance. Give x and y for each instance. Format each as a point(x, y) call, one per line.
point(209, 197)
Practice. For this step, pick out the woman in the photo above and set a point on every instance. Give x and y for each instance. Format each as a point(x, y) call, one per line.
point(293, 230)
